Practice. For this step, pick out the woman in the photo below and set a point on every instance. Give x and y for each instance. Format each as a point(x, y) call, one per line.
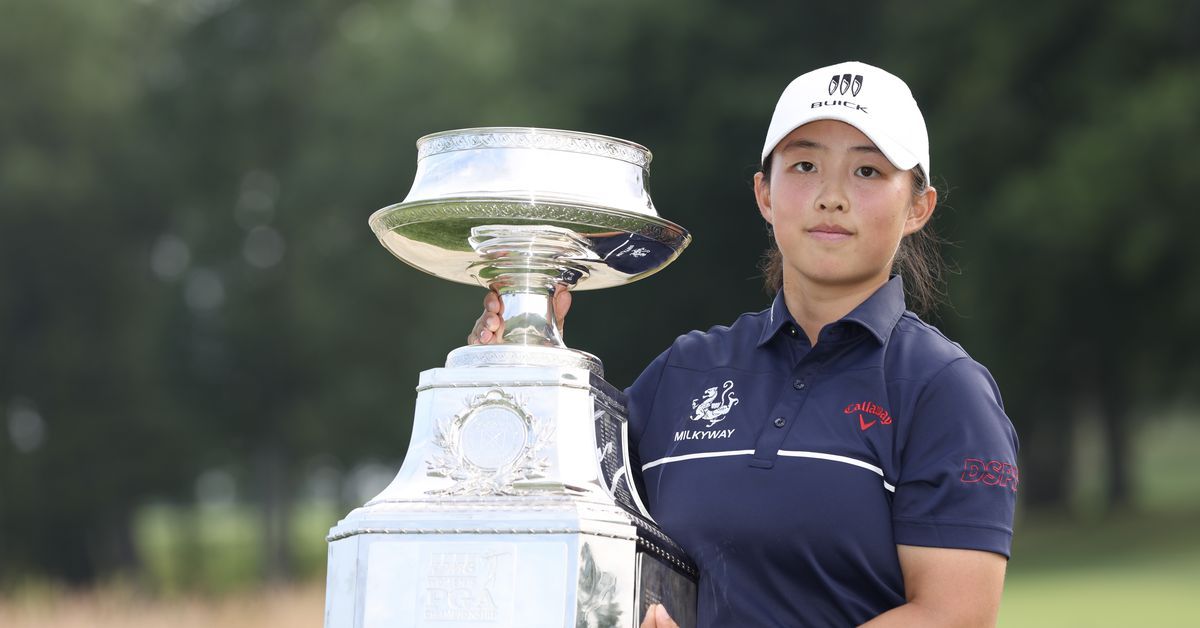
point(850, 464)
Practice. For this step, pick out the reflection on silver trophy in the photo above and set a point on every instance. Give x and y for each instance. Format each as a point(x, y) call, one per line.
point(515, 505)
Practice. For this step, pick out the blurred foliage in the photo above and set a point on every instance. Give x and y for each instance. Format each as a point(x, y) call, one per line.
point(187, 282)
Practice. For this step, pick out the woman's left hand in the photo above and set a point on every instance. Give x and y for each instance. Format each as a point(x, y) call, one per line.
point(657, 617)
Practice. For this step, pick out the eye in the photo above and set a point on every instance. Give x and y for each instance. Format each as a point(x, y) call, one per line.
point(867, 172)
point(805, 166)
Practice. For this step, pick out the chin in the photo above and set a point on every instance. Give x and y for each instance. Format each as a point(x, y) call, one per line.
point(835, 276)
point(824, 270)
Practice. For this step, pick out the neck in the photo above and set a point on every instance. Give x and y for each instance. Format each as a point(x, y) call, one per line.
point(815, 305)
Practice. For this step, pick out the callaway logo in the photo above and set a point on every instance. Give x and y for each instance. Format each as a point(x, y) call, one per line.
point(845, 83)
point(709, 408)
point(879, 415)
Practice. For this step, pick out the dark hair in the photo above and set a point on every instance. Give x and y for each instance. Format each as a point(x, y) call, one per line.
point(918, 260)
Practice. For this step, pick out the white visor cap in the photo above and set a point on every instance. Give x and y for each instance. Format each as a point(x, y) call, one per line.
point(868, 98)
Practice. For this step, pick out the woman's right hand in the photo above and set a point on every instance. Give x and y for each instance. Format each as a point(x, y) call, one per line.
point(490, 326)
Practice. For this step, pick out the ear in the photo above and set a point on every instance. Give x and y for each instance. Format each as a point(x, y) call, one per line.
point(762, 194)
point(921, 210)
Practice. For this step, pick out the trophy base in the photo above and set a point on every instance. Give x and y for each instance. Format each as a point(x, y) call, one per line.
point(514, 508)
point(528, 565)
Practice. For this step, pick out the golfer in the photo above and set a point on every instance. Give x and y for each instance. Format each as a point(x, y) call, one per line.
point(831, 460)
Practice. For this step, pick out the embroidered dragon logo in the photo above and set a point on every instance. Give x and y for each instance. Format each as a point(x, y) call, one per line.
point(713, 408)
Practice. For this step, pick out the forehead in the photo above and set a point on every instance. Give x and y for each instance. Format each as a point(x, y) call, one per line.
point(830, 133)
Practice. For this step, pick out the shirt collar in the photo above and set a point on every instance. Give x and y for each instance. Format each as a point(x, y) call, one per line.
point(882, 310)
point(878, 314)
point(778, 317)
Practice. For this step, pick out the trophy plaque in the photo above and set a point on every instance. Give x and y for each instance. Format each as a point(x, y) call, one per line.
point(515, 505)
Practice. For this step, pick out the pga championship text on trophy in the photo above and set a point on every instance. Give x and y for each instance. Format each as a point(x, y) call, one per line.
point(515, 505)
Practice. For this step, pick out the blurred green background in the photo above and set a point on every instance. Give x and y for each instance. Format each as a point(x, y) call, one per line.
point(206, 358)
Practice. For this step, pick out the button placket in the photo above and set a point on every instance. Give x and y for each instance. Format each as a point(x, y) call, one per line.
point(783, 417)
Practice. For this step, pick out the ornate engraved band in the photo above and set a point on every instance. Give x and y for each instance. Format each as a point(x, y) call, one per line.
point(546, 139)
point(518, 355)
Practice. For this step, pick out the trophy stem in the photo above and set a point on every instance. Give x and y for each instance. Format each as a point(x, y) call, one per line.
point(524, 264)
point(529, 317)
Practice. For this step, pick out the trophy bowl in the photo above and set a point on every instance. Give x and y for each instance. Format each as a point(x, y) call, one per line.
point(524, 210)
point(506, 206)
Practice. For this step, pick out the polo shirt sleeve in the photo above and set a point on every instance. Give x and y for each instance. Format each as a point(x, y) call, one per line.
point(958, 474)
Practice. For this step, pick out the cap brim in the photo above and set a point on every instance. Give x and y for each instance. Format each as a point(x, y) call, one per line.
point(896, 154)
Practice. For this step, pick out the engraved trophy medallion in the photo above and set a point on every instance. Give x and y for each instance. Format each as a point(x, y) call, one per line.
point(515, 505)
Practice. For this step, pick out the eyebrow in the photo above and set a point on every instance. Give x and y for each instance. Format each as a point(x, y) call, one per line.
point(801, 143)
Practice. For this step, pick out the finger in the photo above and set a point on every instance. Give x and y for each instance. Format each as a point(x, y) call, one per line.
point(650, 621)
point(492, 302)
point(477, 333)
point(488, 327)
point(562, 304)
point(493, 330)
point(662, 619)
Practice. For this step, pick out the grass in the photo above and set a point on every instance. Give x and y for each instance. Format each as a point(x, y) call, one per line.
point(1139, 568)
point(1127, 570)
point(115, 606)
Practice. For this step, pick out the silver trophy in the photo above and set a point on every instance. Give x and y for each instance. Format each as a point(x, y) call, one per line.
point(515, 505)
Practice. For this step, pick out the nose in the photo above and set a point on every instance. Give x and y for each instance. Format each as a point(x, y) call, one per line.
point(832, 205)
point(832, 198)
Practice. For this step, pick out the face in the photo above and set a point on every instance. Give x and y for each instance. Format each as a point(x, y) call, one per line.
point(839, 208)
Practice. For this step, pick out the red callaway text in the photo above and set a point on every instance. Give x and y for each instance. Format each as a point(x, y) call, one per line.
point(869, 408)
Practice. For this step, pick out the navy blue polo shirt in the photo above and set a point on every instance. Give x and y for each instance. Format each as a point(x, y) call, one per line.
point(790, 472)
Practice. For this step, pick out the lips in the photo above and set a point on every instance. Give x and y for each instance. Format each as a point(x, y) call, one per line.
point(829, 232)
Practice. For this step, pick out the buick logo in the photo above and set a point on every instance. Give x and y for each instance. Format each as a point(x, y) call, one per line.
point(845, 83)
